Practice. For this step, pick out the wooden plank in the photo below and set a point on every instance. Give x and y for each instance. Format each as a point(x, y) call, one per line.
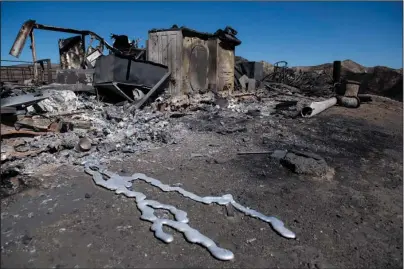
point(153, 90)
point(153, 50)
point(174, 54)
point(212, 73)
point(165, 46)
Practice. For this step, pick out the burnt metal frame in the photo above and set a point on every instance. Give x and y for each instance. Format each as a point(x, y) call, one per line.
point(27, 29)
point(139, 103)
point(115, 87)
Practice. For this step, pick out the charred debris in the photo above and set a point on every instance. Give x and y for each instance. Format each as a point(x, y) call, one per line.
point(104, 101)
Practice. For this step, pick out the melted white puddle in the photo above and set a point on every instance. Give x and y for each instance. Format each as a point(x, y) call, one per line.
point(123, 185)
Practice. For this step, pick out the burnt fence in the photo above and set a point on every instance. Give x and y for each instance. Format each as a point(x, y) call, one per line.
point(23, 71)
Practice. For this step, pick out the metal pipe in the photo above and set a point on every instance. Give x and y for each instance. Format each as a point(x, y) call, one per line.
point(59, 29)
point(78, 32)
point(351, 88)
point(349, 102)
point(19, 42)
point(30, 25)
point(31, 35)
point(317, 107)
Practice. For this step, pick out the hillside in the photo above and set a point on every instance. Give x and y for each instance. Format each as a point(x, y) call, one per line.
point(380, 80)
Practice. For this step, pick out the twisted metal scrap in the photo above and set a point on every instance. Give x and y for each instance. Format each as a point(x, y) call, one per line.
point(123, 185)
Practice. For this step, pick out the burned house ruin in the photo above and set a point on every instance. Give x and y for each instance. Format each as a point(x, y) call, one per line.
point(198, 61)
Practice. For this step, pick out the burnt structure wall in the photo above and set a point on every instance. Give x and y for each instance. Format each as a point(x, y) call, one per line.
point(166, 48)
point(197, 63)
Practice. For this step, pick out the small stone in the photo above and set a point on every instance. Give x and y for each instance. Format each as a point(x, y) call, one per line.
point(266, 139)
point(26, 239)
point(112, 113)
point(84, 144)
point(65, 153)
point(230, 210)
point(305, 163)
point(253, 112)
point(68, 141)
point(130, 132)
point(212, 161)
point(279, 154)
point(87, 195)
point(128, 150)
point(249, 241)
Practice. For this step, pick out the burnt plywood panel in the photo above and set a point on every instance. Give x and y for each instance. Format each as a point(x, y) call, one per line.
point(225, 69)
point(212, 72)
point(198, 68)
point(73, 76)
point(190, 63)
point(71, 52)
point(166, 48)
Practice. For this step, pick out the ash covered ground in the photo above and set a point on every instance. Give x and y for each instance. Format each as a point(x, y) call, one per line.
point(345, 210)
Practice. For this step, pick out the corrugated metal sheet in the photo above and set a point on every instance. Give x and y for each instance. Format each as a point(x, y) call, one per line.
point(166, 48)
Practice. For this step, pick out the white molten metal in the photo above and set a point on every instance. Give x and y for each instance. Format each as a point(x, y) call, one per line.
point(123, 185)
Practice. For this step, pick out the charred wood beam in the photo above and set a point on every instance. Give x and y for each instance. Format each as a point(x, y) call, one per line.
point(33, 49)
point(153, 90)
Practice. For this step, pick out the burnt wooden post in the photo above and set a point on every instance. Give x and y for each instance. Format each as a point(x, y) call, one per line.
point(31, 34)
point(49, 70)
point(336, 71)
point(83, 44)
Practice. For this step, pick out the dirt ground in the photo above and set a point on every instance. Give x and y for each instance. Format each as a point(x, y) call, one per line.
point(351, 219)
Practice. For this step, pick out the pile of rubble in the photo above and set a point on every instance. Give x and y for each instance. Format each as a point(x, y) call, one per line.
point(63, 127)
point(58, 126)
